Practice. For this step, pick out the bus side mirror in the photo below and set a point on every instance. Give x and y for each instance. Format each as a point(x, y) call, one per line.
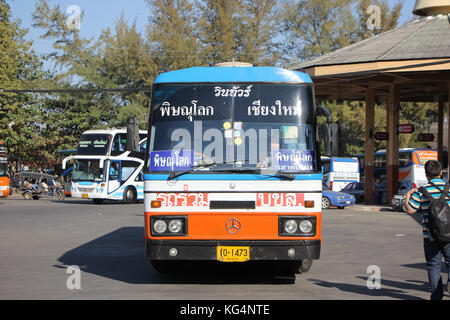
point(101, 163)
point(133, 135)
point(331, 139)
point(63, 164)
point(330, 132)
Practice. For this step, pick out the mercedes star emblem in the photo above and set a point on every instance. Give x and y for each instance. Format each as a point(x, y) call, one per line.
point(233, 225)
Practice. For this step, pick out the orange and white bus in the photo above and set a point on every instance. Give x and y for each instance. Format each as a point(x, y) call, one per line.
point(4, 177)
point(411, 165)
point(232, 171)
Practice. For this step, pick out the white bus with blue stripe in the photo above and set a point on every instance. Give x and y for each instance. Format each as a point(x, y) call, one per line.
point(104, 170)
point(232, 169)
point(339, 172)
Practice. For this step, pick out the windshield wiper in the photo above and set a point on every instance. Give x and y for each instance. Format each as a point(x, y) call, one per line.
point(282, 176)
point(198, 166)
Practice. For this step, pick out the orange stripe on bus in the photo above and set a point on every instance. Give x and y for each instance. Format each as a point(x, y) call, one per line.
point(254, 226)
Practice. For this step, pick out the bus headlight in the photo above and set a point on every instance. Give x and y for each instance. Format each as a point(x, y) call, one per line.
point(168, 226)
point(175, 226)
point(297, 226)
point(290, 226)
point(306, 226)
point(160, 226)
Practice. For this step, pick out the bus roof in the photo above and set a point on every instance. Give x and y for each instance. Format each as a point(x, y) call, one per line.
point(109, 131)
point(406, 150)
point(233, 75)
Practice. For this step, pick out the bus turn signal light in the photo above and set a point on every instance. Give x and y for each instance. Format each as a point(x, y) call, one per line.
point(309, 204)
point(156, 204)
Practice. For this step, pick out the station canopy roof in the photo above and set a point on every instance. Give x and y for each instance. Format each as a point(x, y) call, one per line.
point(416, 55)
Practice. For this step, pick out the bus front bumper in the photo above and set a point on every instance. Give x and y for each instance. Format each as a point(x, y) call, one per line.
point(207, 249)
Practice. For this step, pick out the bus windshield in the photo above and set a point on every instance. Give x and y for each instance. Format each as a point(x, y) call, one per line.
point(220, 127)
point(94, 144)
point(87, 170)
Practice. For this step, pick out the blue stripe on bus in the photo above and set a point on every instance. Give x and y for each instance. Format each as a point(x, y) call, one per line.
point(233, 74)
point(247, 177)
point(85, 183)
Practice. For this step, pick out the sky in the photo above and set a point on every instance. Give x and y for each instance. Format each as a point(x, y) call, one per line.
point(101, 14)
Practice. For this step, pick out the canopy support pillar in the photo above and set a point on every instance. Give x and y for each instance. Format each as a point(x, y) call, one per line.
point(393, 141)
point(369, 147)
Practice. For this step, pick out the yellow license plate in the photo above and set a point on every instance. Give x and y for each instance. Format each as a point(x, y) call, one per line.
point(84, 195)
point(233, 254)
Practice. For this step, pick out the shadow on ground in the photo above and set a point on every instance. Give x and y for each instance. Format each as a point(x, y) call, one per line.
point(389, 289)
point(120, 255)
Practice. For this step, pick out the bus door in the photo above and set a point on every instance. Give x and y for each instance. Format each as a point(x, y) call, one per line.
point(114, 175)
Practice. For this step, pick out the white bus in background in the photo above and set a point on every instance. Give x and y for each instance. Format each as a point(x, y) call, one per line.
point(104, 170)
point(411, 164)
point(338, 172)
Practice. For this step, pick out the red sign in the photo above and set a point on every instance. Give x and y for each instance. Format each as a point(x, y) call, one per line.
point(405, 128)
point(426, 137)
point(183, 199)
point(381, 136)
point(280, 199)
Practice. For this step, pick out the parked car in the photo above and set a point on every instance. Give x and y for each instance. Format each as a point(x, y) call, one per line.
point(335, 199)
point(356, 189)
point(398, 201)
point(380, 190)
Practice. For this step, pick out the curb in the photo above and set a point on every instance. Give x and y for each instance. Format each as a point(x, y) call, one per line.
point(373, 208)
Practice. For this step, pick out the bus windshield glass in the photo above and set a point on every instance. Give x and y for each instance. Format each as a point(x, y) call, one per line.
point(94, 144)
point(3, 166)
point(232, 127)
point(87, 170)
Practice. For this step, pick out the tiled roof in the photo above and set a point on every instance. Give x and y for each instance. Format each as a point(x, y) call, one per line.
point(421, 39)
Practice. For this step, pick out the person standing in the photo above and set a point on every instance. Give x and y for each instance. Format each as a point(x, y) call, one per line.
point(417, 200)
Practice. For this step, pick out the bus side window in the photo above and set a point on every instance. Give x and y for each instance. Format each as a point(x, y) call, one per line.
point(404, 159)
point(140, 176)
point(128, 168)
point(114, 171)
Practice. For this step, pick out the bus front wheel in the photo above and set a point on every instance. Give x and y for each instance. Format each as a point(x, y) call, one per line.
point(305, 265)
point(130, 195)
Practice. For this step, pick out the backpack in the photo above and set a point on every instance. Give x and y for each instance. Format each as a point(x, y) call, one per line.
point(439, 214)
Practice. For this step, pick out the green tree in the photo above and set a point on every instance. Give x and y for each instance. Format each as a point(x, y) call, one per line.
point(368, 13)
point(20, 69)
point(171, 34)
point(119, 59)
point(311, 28)
point(217, 29)
point(257, 31)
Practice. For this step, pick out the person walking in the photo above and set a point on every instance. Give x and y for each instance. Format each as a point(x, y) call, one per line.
point(417, 199)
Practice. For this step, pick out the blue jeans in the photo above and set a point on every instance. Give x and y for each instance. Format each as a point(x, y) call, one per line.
point(434, 251)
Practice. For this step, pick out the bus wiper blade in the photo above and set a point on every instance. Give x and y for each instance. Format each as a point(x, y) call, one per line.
point(283, 176)
point(180, 173)
point(245, 170)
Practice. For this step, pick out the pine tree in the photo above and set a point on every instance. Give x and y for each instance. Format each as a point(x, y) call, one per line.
point(19, 69)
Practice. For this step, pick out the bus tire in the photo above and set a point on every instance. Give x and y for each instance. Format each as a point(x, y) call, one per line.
point(326, 203)
point(130, 195)
point(97, 201)
point(163, 266)
point(305, 265)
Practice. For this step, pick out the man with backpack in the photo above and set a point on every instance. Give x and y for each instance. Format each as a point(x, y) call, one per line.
point(433, 200)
